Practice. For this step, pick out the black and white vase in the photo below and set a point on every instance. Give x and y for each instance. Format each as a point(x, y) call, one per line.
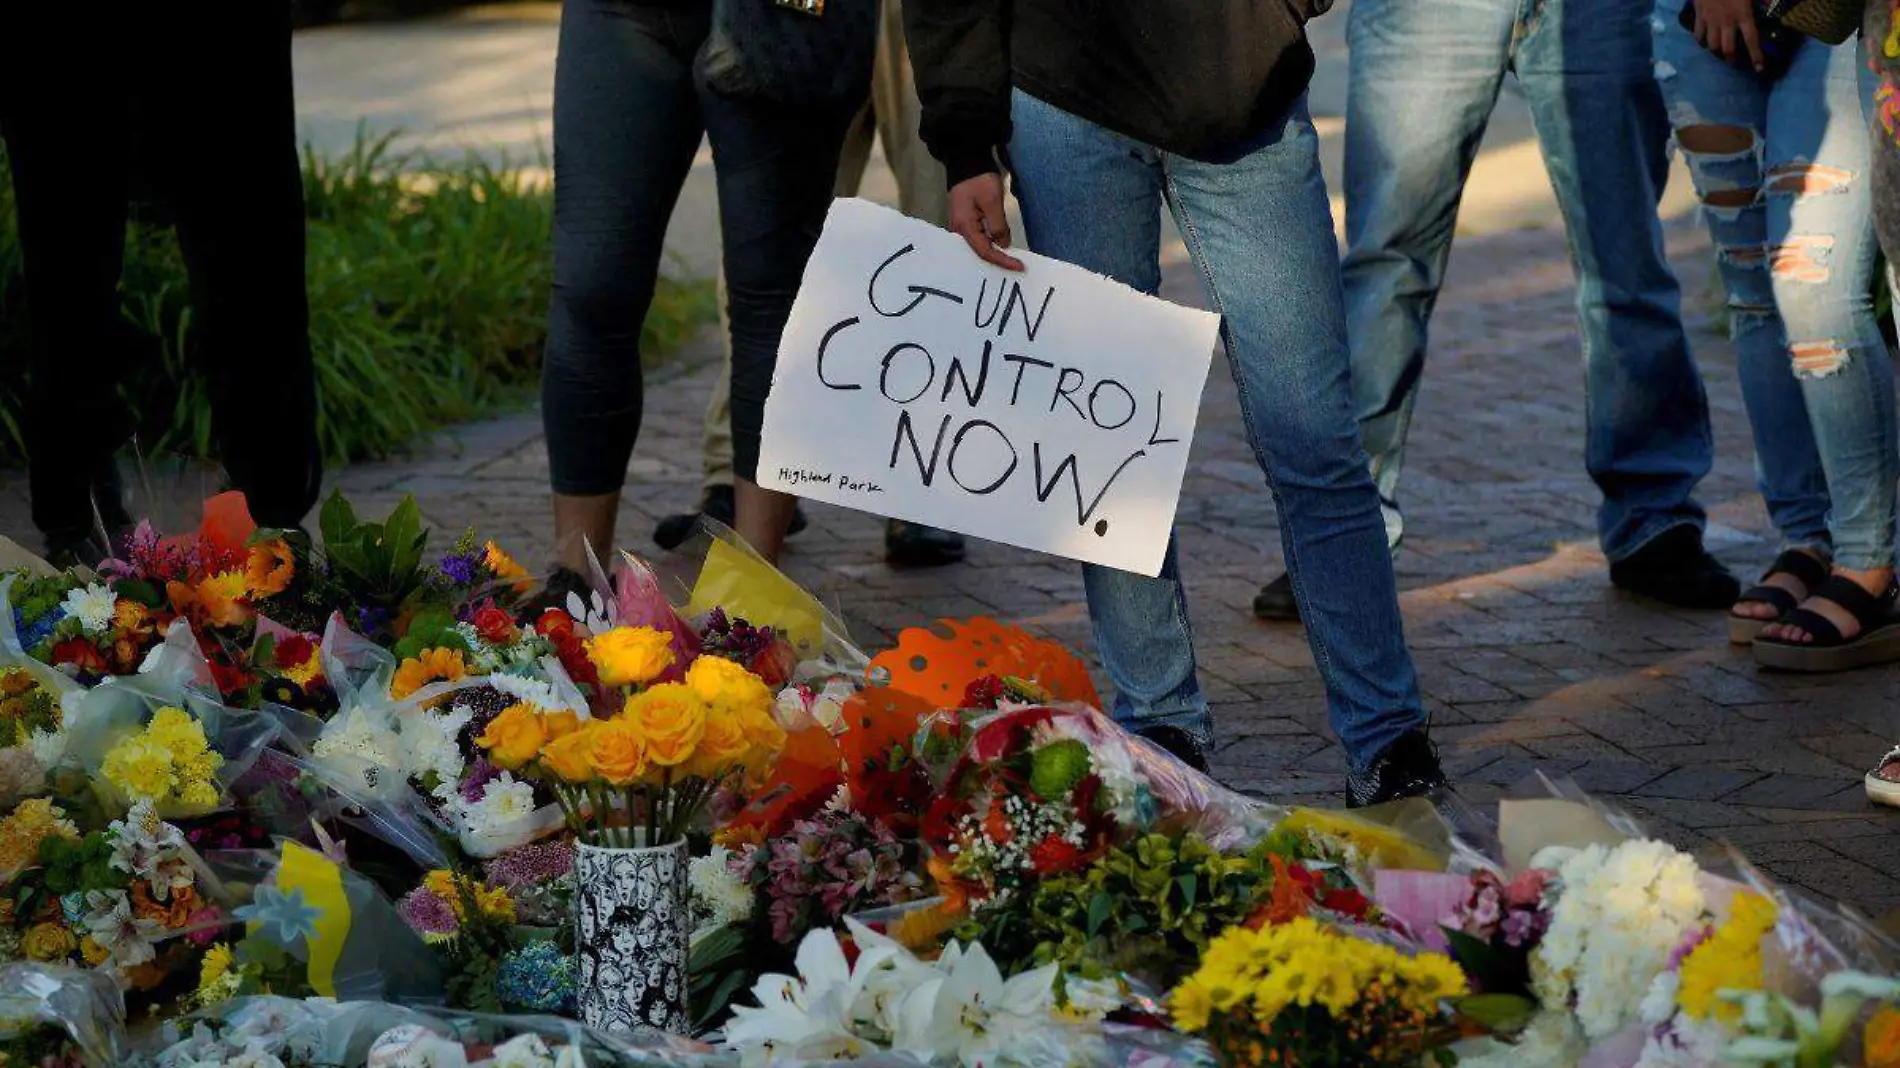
point(630, 930)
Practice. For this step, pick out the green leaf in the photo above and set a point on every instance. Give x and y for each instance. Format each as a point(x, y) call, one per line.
point(1498, 1013)
point(1099, 907)
point(143, 592)
point(1190, 885)
point(405, 536)
point(337, 521)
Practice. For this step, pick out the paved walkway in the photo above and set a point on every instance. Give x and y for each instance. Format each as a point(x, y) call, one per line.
point(1529, 660)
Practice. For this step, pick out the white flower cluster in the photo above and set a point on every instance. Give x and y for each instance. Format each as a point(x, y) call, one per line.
point(955, 1012)
point(1029, 824)
point(93, 606)
point(266, 1032)
point(719, 896)
point(430, 746)
point(1619, 914)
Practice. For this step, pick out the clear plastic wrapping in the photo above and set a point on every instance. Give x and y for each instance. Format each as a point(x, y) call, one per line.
point(85, 1005)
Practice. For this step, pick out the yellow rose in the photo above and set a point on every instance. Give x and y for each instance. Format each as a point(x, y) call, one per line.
point(561, 723)
point(672, 719)
point(1882, 1040)
point(631, 656)
point(723, 684)
point(724, 745)
point(48, 942)
point(514, 737)
point(618, 752)
point(570, 756)
point(766, 736)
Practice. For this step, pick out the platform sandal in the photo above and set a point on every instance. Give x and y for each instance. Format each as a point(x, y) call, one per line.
point(1877, 643)
point(1806, 570)
point(1883, 783)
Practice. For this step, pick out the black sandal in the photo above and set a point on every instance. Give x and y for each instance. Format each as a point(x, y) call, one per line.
point(1805, 569)
point(1877, 643)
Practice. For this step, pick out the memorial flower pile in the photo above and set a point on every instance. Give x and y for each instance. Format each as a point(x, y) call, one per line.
point(279, 789)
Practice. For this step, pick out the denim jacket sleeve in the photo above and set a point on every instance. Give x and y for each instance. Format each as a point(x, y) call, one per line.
point(960, 53)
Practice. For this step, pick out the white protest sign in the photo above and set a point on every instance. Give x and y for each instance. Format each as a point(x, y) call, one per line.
point(1051, 409)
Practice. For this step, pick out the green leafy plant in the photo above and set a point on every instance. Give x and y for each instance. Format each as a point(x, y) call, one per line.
point(377, 563)
point(1147, 908)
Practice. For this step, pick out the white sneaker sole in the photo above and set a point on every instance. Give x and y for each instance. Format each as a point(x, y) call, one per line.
point(1883, 791)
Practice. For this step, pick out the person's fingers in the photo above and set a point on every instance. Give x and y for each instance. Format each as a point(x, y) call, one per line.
point(1751, 36)
point(1728, 50)
point(996, 224)
point(985, 246)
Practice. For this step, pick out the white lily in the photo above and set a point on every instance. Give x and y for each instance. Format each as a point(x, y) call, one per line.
point(971, 1014)
point(798, 1013)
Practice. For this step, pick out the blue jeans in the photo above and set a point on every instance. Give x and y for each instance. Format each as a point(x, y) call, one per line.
point(1260, 234)
point(1783, 169)
point(1425, 75)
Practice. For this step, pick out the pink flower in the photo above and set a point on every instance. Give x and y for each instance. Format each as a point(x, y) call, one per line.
point(206, 926)
point(784, 914)
point(1527, 890)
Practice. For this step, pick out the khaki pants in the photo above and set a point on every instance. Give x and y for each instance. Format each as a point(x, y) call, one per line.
point(889, 116)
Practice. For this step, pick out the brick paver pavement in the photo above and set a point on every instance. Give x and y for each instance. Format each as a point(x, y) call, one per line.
point(1529, 660)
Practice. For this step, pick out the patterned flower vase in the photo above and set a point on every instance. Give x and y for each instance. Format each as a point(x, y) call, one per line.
point(630, 929)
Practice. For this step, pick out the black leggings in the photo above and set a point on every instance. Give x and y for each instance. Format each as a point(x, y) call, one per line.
point(201, 94)
point(628, 116)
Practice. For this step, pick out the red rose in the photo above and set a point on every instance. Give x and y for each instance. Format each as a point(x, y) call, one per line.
point(293, 651)
point(81, 654)
point(494, 626)
point(1347, 902)
point(555, 625)
point(1055, 855)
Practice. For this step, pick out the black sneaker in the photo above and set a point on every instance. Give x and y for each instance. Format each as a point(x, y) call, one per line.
point(1675, 569)
point(1275, 602)
point(717, 503)
point(917, 545)
point(1182, 744)
point(1407, 768)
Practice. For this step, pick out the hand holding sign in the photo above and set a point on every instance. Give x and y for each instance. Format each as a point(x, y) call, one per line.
point(1051, 409)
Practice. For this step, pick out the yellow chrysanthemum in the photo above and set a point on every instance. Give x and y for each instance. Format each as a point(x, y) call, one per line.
point(1729, 960)
point(301, 674)
point(169, 764)
point(494, 902)
point(434, 665)
point(1255, 975)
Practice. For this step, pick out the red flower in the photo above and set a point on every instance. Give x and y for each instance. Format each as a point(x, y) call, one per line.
point(555, 625)
point(81, 654)
point(1055, 855)
point(495, 627)
point(983, 693)
point(293, 651)
point(1347, 902)
point(231, 679)
point(996, 825)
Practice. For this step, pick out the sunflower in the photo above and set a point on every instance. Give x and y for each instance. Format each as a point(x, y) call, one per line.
point(434, 665)
point(270, 568)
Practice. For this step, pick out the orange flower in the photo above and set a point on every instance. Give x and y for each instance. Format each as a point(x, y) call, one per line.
point(132, 618)
point(570, 757)
point(618, 752)
point(270, 568)
point(434, 665)
point(671, 719)
point(1882, 1040)
point(514, 737)
point(504, 568)
point(171, 914)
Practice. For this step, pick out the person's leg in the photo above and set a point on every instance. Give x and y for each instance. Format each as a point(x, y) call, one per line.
point(1093, 198)
point(1587, 71)
point(1423, 81)
point(1721, 118)
point(775, 167)
point(1883, 781)
point(1822, 258)
point(222, 107)
point(68, 139)
point(626, 126)
point(1260, 232)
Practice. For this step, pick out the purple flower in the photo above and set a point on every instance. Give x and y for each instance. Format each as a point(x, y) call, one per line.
point(531, 865)
point(460, 568)
point(480, 774)
point(427, 914)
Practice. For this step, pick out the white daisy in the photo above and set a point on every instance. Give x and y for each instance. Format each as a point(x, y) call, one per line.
point(92, 606)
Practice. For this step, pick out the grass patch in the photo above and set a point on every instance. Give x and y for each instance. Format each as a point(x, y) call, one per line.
point(428, 287)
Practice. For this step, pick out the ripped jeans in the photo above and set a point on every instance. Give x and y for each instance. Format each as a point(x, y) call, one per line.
point(1782, 169)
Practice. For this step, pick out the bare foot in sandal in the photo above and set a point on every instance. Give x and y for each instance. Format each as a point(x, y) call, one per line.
point(1875, 582)
point(1789, 580)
